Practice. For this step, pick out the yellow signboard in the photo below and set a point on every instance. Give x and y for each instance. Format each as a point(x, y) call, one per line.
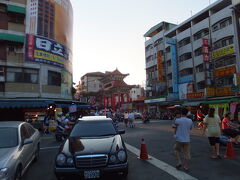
point(209, 92)
point(223, 51)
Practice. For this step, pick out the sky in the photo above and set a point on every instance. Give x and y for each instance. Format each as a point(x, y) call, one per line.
point(108, 34)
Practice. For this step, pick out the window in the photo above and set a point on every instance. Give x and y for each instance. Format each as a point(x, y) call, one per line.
point(222, 24)
point(199, 68)
point(54, 78)
point(184, 42)
point(185, 72)
point(198, 52)
point(224, 81)
point(201, 85)
point(225, 61)
point(22, 75)
point(16, 18)
point(223, 42)
point(201, 34)
point(169, 63)
point(185, 57)
point(168, 49)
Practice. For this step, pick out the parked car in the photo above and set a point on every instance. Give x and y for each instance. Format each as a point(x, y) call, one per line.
point(138, 116)
point(94, 148)
point(19, 146)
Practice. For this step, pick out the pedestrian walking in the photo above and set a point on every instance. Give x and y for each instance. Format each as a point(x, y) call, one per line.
point(174, 126)
point(212, 128)
point(126, 118)
point(131, 119)
point(183, 127)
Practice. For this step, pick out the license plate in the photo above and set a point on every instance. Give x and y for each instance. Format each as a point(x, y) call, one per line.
point(92, 174)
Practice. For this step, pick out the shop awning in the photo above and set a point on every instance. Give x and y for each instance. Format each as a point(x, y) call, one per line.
point(218, 101)
point(195, 103)
point(68, 105)
point(16, 9)
point(12, 37)
point(23, 104)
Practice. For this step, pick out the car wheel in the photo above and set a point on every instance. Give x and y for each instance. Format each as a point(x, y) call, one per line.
point(18, 173)
point(37, 153)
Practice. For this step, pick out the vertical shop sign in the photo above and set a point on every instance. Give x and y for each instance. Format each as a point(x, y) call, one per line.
point(160, 66)
point(205, 50)
point(173, 49)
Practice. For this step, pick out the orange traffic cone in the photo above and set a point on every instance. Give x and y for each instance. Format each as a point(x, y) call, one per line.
point(143, 153)
point(230, 151)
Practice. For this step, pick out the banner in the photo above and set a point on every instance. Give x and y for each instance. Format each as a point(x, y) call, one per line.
point(195, 95)
point(223, 51)
point(42, 50)
point(49, 27)
point(160, 66)
point(225, 71)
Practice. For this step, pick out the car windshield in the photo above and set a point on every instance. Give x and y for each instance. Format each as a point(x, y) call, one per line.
point(8, 137)
point(93, 129)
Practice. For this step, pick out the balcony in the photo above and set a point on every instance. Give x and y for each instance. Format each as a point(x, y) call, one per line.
point(201, 25)
point(185, 64)
point(218, 16)
point(16, 27)
point(200, 76)
point(13, 36)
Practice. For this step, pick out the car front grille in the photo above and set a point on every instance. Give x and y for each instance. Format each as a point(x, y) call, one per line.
point(94, 160)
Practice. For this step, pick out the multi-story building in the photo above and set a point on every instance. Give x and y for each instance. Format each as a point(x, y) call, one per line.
point(200, 56)
point(90, 82)
point(35, 54)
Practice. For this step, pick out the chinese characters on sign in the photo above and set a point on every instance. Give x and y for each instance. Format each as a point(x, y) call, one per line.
point(223, 51)
point(225, 71)
point(195, 95)
point(43, 50)
point(205, 50)
point(160, 66)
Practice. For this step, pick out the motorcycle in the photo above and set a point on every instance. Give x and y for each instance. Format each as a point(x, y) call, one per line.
point(61, 133)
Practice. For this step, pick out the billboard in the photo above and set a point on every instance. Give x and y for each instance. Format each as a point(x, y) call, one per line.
point(185, 89)
point(43, 50)
point(49, 32)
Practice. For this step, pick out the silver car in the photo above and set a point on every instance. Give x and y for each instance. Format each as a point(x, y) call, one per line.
point(19, 146)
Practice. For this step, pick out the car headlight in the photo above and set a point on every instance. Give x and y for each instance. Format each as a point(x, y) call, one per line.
point(112, 158)
point(3, 172)
point(61, 159)
point(70, 161)
point(121, 156)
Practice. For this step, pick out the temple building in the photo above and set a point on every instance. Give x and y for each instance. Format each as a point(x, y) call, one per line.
point(115, 92)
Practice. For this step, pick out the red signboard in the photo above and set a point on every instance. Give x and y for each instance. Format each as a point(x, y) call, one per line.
point(195, 95)
point(205, 50)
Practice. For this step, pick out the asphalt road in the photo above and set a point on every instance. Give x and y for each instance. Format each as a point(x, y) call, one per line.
point(159, 140)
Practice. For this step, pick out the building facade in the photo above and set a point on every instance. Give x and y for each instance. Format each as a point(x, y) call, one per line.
point(35, 53)
point(198, 59)
point(35, 64)
point(90, 82)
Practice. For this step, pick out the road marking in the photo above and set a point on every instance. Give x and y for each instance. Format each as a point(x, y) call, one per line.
point(46, 148)
point(162, 165)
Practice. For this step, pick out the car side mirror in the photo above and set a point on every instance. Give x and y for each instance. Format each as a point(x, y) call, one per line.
point(121, 131)
point(27, 141)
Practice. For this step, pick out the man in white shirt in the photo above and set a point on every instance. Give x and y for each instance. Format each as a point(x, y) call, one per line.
point(184, 125)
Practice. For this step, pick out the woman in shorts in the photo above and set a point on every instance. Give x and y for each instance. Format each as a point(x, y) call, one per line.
point(212, 125)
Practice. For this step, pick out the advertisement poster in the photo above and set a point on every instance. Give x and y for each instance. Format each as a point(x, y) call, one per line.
point(66, 85)
point(43, 50)
point(185, 89)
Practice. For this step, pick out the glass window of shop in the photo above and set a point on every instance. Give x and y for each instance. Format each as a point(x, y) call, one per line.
point(22, 75)
point(224, 81)
point(54, 78)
